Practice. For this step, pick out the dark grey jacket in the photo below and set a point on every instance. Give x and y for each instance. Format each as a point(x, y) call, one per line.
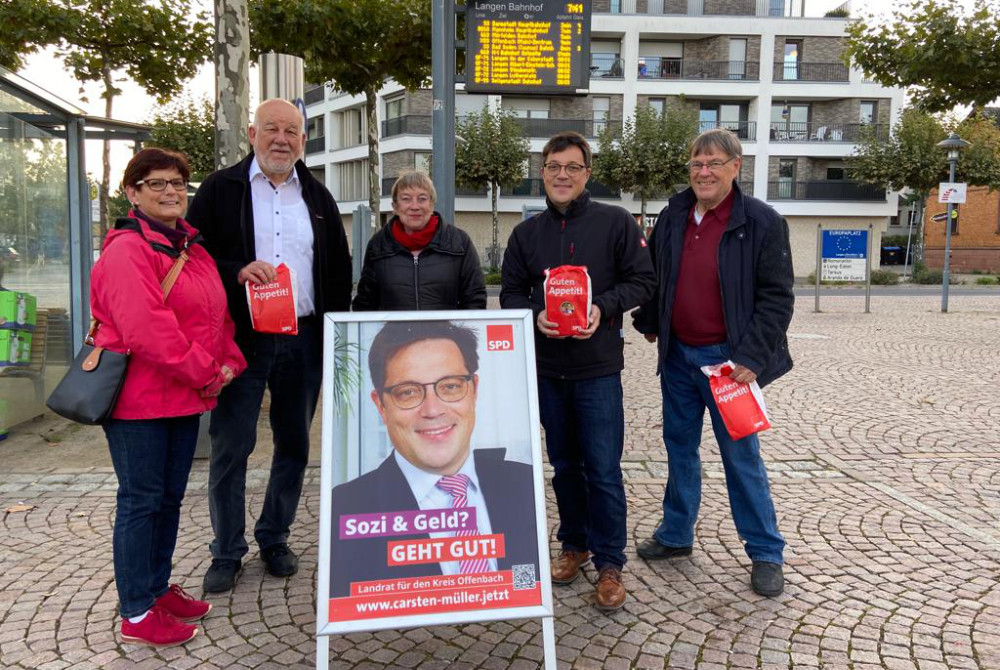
point(446, 274)
point(755, 274)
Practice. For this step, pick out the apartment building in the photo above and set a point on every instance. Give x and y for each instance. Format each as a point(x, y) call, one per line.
point(757, 67)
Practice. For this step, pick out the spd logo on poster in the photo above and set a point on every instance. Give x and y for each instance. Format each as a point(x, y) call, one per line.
point(500, 338)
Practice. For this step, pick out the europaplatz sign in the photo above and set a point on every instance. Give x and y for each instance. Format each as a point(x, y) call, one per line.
point(845, 255)
point(953, 192)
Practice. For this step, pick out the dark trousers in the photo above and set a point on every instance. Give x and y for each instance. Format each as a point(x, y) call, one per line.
point(291, 367)
point(152, 460)
point(584, 425)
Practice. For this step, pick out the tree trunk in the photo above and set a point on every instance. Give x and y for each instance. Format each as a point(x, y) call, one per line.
point(374, 192)
point(104, 190)
point(495, 249)
point(232, 77)
point(642, 221)
point(918, 245)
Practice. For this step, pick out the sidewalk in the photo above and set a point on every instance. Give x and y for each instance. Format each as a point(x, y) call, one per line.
point(884, 466)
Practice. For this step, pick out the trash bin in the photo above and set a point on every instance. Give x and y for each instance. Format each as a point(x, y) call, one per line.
point(892, 256)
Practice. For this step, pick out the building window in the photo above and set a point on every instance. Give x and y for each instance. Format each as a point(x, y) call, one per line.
point(786, 177)
point(352, 180)
point(658, 105)
point(315, 127)
point(422, 161)
point(394, 108)
point(789, 122)
point(351, 128)
point(731, 116)
point(527, 108)
point(602, 111)
point(869, 111)
point(791, 60)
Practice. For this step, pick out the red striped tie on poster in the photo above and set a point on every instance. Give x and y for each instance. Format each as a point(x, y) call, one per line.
point(458, 486)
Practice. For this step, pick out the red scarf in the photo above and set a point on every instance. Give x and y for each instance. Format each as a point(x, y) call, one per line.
point(418, 240)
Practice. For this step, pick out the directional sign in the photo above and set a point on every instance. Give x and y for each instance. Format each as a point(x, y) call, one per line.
point(953, 192)
point(941, 216)
point(845, 255)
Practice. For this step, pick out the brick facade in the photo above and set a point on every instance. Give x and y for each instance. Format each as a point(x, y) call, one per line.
point(814, 49)
point(976, 243)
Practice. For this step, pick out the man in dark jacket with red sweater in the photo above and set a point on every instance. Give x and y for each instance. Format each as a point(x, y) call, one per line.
point(579, 377)
point(264, 211)
point(724, 269)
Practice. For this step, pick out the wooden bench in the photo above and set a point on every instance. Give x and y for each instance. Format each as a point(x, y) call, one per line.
point(35, 369)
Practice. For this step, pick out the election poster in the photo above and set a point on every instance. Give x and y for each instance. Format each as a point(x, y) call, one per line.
point(432, 506)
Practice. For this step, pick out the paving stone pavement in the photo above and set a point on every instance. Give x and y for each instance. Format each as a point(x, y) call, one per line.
point(883, 469)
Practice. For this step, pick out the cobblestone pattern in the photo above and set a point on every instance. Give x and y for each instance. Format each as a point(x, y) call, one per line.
point(883, 465)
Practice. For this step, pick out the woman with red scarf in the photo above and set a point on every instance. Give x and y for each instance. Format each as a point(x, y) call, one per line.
point(418, 261)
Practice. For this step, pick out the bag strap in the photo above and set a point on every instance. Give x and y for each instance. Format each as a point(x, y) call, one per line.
point(166, 286)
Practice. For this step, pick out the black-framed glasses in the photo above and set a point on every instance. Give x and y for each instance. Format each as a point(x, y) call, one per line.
point(161, 184)
point(411, 394)
point(572, 169)
point(713, 166)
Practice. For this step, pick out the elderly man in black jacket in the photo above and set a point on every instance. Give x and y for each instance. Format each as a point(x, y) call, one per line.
point(579, 377)
point(264, 211)
point(724, 269)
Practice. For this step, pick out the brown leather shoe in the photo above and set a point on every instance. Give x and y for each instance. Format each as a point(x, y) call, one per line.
point(610, 590)
point(566, 566)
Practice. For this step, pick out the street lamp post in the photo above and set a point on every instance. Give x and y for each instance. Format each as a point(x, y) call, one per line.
point(954, 144)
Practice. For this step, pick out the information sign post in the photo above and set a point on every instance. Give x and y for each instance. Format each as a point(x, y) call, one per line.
point(844, 255)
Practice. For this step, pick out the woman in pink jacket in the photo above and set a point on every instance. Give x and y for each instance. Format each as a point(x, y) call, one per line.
point(182, 355)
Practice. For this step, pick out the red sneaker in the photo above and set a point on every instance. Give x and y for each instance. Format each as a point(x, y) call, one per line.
point(182, 605)
point(158, 629)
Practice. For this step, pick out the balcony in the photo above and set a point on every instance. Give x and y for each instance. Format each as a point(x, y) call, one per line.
point(314, 95)
point(709, 7)
point(607, 66)
point(549, 127)
point(832, 72)
point(746, 131)
point(825, 189)
point(656, 67)
point(411, 124)
point(826, 132)
point(316, 145)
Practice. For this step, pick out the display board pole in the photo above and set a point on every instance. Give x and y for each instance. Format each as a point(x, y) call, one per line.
point(443, 106)
point(819, 261)
point(868, 273)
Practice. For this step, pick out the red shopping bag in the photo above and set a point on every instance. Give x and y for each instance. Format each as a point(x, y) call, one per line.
point(272, 305)
point(568, 297)
point(741, 405)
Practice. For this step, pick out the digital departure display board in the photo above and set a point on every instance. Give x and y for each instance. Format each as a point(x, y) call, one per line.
point(513, 46)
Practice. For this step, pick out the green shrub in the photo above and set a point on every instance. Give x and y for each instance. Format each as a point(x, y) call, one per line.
point(987, 281)
point(492, 279)
point(884, 277)
point(839, 12)
point(894, 241)
point(927, 276)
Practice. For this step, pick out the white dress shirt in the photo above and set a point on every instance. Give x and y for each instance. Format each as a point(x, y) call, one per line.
point(282, 231)
point(423, 485)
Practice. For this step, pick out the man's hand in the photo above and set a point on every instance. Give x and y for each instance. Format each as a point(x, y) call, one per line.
point(258, 272)
point(650, 338)
point(593, 322)
point(742, 374)
point(548, 328)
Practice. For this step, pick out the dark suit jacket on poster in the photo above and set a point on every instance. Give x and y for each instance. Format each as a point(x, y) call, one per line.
point(507, 489)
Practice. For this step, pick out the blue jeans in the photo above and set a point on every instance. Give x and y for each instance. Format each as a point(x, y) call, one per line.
point(584, 434)
point(152, 460)
point(686, 394)
point(291, 367)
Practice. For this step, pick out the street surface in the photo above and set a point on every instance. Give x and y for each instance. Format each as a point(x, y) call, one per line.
point(883, 463)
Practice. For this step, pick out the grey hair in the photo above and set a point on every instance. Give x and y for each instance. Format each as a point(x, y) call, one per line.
point(717, 138)
point(414, 179)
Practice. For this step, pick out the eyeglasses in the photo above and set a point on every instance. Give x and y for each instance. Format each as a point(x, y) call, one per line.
point(713, 166)
point(572, 169)
point(409, 199)
point(161, 184)
point(411, 394)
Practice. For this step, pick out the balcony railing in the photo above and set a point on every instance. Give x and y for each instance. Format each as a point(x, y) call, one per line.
point(746, 131)
point(826, 132)
point(549, 127)
point(836, 72)
point(316, 145)
point(314, 95)
point(411, 124)
point(607, 66)
point(656, 67)
point(709, 7)
point(828, 189)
